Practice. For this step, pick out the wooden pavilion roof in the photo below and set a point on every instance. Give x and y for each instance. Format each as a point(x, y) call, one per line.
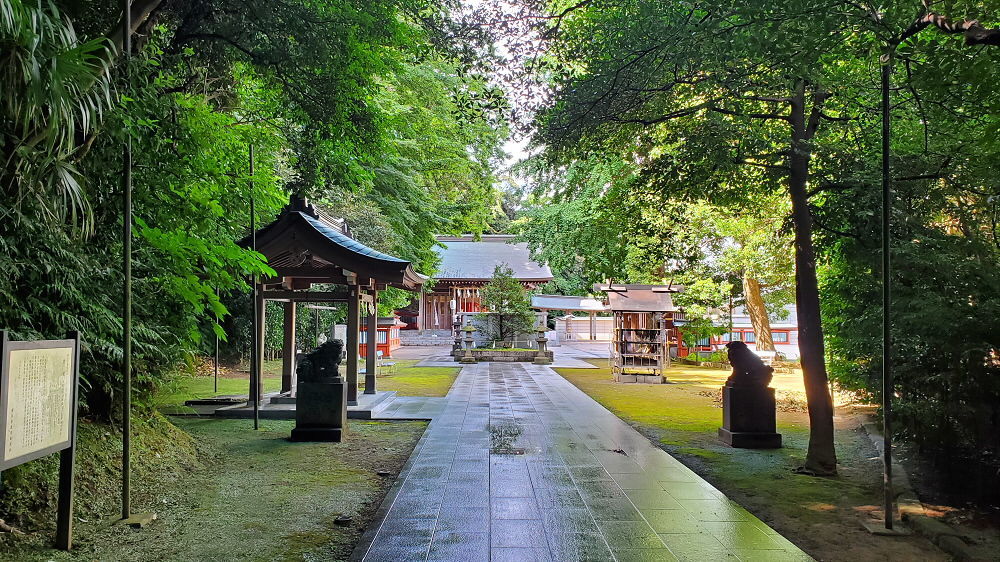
point(305, 246)
point(640, 298)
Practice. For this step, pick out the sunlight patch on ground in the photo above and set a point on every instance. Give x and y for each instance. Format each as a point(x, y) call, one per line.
point(408, 380)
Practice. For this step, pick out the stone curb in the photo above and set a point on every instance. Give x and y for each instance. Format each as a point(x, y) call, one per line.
point(946, 537)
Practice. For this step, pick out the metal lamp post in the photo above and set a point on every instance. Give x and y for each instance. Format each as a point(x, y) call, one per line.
point(128, 518)
point(127, 280)
point(887, 385)
point(255, 356)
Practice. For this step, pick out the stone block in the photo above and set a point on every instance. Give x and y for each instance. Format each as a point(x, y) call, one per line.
point(748, 417)
point(750, 440)
point(320, 411)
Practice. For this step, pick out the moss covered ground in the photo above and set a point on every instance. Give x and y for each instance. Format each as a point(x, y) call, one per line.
point(28, 495)
point(405, 379)
point(189, 387)
point(241, 495)
point(821, 515)
point(408, 380)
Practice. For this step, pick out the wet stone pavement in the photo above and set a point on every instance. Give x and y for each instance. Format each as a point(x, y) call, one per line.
point(521, 465)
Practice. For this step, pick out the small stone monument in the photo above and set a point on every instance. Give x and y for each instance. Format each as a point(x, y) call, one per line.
point(320, 401)
point(748, 407)
point(542, 358)
point(468, 357)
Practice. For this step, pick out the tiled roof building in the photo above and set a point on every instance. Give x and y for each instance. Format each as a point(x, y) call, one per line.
point(467, 263)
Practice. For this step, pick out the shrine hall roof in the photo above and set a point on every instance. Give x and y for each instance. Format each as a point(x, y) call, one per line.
point(569, 303)
point(465, 257)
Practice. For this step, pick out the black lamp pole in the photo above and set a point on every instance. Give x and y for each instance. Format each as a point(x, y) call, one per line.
point(256, 361)
point(127, 273)
point(216, 362)
point(887, 385)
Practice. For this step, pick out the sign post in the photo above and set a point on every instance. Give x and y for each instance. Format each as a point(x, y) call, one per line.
point(39, 383)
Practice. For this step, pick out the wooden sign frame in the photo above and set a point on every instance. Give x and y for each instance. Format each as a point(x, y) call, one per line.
point(67, 447)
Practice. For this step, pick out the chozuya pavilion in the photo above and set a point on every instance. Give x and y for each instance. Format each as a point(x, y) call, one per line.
point(305, 246)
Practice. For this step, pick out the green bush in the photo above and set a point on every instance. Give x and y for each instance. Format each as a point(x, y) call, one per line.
point(946, 372)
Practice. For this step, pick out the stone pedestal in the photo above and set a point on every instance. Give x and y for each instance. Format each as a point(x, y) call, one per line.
point(748, 417)
point(640, 378)
point(320, 410)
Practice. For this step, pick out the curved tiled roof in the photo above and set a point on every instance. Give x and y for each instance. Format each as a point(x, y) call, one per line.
point(305, 243)
point(338, 237)
point(464, 257)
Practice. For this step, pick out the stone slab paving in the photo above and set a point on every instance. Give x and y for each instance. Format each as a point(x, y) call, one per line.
point(585, 348)
point(521, 465)
point(568, 360)
point(412, 408)
point(439, 360)
point(564, 361)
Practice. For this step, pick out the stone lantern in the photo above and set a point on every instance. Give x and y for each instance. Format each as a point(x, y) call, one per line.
point(542, 357)
point(467, 357)
point(456, 348)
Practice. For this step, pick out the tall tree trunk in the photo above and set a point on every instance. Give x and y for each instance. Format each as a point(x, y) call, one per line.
point(821, 458)
point(758, 313)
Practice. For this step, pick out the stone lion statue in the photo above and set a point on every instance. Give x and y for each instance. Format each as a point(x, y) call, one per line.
point(322, 363)
point(748, 369)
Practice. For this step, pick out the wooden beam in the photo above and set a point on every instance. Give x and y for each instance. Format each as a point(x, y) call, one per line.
point(305, 296)
point(351, 349)
point(371, 339)
point(288, 349)
point(420, 311)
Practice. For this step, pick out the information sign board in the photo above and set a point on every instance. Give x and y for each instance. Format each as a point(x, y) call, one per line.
point(36, 400)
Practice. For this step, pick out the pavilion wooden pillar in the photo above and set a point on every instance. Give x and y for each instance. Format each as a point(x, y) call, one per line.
point(371, 338)
point(288, 360)
point(593, 326)
point(664, 342)
point(257, 377)
point(420, 311)
point(351, 349)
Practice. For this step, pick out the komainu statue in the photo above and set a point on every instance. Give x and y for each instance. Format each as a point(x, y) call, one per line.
point(323, 363)
point(748, 369)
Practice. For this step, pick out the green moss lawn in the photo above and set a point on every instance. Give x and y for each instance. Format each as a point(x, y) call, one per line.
point(233, 381)
point(254, 495)
point(408, 380)
point(819, 514)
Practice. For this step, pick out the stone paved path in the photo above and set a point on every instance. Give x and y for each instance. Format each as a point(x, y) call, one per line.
point(413, 408)
point(521, 465)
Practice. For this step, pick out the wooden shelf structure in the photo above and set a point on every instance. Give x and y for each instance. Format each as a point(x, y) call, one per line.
point(640, 344)
point(643, 326)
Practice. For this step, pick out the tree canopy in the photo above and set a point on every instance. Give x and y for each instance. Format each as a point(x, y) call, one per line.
point(743, 102)
point(726, 145)
point(367, 108)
